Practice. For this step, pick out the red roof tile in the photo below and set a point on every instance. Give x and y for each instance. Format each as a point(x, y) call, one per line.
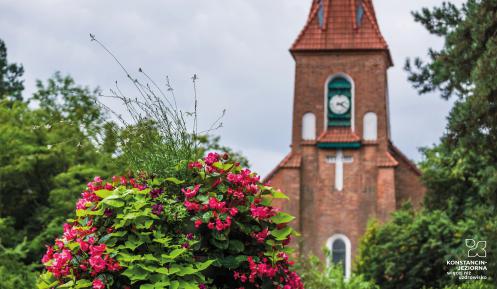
point(338, 135)
point(291, 161)
point(387, 161)
point(339, 29)
point(402, 157)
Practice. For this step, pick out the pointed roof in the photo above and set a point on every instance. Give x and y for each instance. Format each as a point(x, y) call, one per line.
point(341, 25)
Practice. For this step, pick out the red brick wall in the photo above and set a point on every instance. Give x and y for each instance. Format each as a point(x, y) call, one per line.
point(369, 191)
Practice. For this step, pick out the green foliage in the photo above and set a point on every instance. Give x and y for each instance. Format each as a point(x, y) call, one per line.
point(147, 247)
point(316, 275)
point(211, 228)
point(14, 273)
point(460, 173)
point(11, 84)
point(410, 251)
point(472, 285)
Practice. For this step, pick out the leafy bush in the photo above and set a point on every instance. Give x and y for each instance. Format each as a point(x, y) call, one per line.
point(216, 228)
point(315, 275)
point(410, 251)
point(472, 285)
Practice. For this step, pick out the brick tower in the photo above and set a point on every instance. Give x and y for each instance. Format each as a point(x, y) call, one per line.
point(343, 168)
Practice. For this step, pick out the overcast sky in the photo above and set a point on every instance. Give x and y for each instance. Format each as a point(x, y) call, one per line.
point(239, 49)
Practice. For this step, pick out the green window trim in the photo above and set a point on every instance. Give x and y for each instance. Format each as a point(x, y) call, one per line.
point(339, 145)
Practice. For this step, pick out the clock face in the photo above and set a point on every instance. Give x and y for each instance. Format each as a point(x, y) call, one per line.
point(339, 104)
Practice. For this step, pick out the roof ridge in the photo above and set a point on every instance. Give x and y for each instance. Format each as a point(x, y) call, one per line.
point(310, 18)
point(370, 12)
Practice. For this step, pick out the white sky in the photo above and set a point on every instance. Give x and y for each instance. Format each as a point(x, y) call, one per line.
point(239, 49)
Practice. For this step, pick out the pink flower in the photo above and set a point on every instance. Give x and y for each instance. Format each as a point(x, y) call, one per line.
point(190, 193)
point(261, 236)
point(233, 211)
point(219, 225)
point(211, 158)
point(97, 250)
point(69, 232)
point(261, 212)
point(81, 204)
point(48, 255)
point(198, 223)
point(97, 263)
point(98, 284)
point(192, 165)
point(84, 246)
point(191, 206)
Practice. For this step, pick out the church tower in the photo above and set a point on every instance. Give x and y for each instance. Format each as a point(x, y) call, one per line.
point(342, 169)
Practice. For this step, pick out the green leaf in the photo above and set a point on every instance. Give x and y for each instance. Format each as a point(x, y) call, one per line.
point(103, 193)
point(236, 246)
point(282, 218)
point(282, 234)
point(67, 285)
point(146, 225)
point(83, 213)
point(113, 203)
point(186, 270)
point(207, 216)
point(278, 195)
point(175, 181)
point(83, 283)
point(133, 243)
point(231, 262)
point(135, 273)
point(46, 281)
point(175, 253)
point(174, 284)
point(219, 244)
point(204, 265)
point(164, 241)
point(266, 200)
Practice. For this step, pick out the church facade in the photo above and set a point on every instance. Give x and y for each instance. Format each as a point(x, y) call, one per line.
point(343, 168)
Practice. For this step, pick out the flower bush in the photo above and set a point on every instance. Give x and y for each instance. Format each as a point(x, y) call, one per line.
point(216, 228)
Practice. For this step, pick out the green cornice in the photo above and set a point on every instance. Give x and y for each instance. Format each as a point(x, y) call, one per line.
point(339, 145)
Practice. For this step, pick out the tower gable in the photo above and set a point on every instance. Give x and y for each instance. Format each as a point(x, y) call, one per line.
point(341, 25)
point(343, 169)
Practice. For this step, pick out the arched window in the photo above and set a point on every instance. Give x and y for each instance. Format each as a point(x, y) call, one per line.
point(339, 102)
point(309, 126)
point(340, 249)
point(370, 126)
point(359, 14)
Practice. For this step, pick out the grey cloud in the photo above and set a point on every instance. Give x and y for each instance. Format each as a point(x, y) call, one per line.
point(239, 48)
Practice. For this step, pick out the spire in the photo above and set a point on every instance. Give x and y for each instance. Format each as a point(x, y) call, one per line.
point(340, 25)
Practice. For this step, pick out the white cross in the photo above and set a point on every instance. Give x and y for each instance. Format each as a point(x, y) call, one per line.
point(339, 160)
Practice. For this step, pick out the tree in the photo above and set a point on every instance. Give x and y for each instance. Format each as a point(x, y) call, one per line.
point(411, 250)
point(11, 84)
point(460, 173)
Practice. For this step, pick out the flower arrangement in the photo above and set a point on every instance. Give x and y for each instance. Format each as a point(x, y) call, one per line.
point(215, 228)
